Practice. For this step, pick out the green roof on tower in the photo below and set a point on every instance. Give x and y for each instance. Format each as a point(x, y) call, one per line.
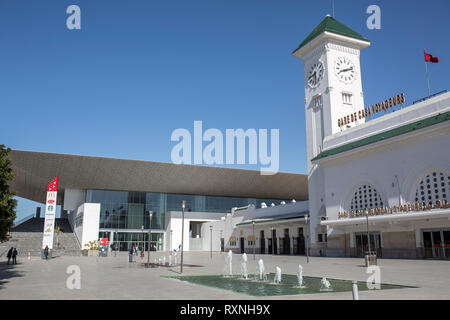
point(330, 24)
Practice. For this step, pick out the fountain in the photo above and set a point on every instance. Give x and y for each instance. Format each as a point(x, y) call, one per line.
point(244, 271)
point(300, 276)
point(228, 270)
point(277, 278)
point(261, 270)
point(288, 285)
point(325, 285)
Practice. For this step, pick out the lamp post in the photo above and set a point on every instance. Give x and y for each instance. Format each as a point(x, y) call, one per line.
point(368, 236)
point(115, 245)
point(210, 229)
point(142, 229)
point(150, 213)
point(273, 252)
point(183, 206)
point(220, 240)
point(307, 240)
point(254, 239)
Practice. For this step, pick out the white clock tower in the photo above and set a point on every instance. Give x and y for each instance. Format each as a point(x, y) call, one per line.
point(333, 90)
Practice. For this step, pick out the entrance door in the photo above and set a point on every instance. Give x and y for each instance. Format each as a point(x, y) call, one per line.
point(269, 245)
point(362, 245)
point(301, 244)
point(287, 242)
point(274, 246)
point(274, 241)
point(222, 244)
point(446, 241)
point(262, 243)
point(436, 244)
point(242, 245)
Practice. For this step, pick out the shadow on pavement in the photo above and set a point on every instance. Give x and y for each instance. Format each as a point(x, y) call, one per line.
point(8, 272)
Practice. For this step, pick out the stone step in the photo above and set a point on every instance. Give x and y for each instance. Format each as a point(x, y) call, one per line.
point(31, 242)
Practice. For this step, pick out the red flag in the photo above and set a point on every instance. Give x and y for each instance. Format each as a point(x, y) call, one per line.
point(430, 58)
point(53, 186)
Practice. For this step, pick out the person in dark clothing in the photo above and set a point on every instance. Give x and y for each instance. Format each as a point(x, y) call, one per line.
point(14, 255)
point(9, 254)
point(46, 252)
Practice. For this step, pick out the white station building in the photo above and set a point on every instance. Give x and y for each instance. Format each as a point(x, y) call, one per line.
point(386, 176)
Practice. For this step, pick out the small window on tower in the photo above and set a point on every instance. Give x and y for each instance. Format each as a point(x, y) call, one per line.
point(317, 101)
point(346, 98)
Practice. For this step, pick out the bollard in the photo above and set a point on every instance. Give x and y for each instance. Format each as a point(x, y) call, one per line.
point(355, 290)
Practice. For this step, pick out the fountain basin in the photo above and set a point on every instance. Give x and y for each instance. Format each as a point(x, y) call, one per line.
point(288, 286)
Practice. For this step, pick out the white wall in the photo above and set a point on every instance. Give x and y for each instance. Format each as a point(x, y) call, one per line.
point(88, 230)
point(408, 159)
point(217, 226)
point(387, 165)
point(91, 222)
point(174, 219)
point(73, 198)
point(393, 168)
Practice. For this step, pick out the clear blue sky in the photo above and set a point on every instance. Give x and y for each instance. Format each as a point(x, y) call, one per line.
point(139, 69)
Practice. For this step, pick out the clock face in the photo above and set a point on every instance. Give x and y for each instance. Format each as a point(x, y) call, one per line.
point(315, 74)
point(345, 70)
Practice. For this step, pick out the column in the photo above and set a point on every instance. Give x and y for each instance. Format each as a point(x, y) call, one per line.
point(278, 241)
point(419, 244)
point(111, 240)
point(291, 240)
point(352, 244)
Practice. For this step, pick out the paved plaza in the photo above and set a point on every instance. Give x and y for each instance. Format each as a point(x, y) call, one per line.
point(114, 277)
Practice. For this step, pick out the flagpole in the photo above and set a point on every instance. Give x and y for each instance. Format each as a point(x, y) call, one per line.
point(428, 79)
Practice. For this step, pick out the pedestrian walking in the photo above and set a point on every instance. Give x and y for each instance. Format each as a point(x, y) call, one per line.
point(130, 254)
point(46, 250)
point(9, 254)
point(14, 255)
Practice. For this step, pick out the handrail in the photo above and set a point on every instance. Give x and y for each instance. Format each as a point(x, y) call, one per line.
point(431, 96)
point(4, 252)
point(73, 229)
point(78, 240)
point(23, 220)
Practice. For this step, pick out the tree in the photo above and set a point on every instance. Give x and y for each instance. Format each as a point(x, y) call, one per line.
point(7, 202)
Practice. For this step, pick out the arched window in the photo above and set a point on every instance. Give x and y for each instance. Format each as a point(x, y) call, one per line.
point(434, 186)
point(366, 197)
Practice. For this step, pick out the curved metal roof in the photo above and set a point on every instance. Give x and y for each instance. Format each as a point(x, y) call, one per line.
point(34, 170)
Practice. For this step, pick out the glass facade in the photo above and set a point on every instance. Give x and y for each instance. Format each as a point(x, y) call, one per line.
point(126, 209)
point(121, 210)
point(126, 240)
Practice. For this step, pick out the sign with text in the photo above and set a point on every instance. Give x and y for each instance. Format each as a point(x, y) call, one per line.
point(369, 111)
point(414, 207)
point(50, 213)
